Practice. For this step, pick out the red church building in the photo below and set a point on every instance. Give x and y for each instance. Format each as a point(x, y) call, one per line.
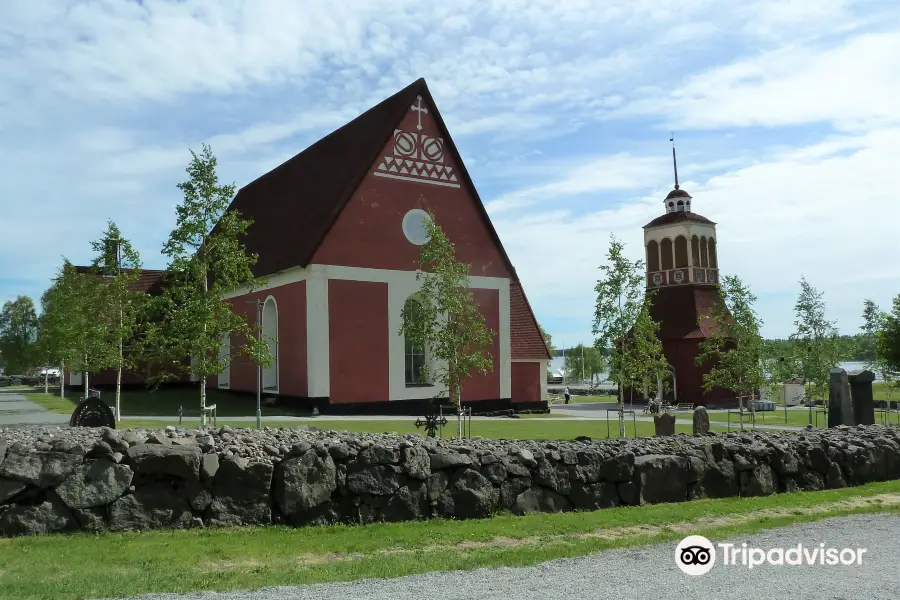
point(683, 273)
point(338, 230)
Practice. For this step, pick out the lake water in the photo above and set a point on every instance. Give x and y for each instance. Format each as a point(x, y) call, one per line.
point(556, 366)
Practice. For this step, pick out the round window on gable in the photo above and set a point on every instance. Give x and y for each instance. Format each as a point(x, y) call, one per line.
point(414, 226)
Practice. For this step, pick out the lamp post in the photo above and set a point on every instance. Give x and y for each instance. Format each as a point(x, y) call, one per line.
point(259, 305)
point(805, 379)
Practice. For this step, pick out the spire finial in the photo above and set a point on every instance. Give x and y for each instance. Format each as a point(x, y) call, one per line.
point(674, 161)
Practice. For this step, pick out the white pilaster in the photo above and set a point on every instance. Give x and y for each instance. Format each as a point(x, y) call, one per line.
point(505, 367)
point(544, 364)
point(318, 369)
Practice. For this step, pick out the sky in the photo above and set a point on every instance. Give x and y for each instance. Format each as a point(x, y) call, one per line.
point(785, 115)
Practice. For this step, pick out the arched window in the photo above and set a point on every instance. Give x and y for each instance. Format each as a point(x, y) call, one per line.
point(681, 260)
point(713, 264)
point(671, 207)
point(270, 336)
point(695, 251)
point(652, 256)
point(681, 206)
point(414, 359)
point(704, 262)
point(666, 247)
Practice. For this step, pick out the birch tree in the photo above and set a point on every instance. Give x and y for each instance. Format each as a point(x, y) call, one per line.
point(445, 319)
point(646, 359)
point(620, 299)
point(207, 261)
point(119, 266)
point(819, 350)
point(69, 329)
point(735, 347)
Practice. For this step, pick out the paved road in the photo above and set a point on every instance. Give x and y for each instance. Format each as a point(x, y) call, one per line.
point(17, 411)
point(646, 573)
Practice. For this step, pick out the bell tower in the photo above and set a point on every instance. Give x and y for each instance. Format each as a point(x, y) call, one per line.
point(682, 275)
point(680, 245)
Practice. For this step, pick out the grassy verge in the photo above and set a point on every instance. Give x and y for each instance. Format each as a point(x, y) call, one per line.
point(511, 429)
point(115, 565)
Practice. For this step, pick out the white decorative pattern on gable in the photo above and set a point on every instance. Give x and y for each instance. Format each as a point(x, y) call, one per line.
point(417, 157)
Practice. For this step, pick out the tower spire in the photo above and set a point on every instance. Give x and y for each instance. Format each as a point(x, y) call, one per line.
point(674, 161)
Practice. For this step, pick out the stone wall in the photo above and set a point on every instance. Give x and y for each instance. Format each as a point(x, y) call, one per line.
point(54, 480)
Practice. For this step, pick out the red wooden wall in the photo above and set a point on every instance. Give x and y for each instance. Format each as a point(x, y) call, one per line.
point(358, 341)
point(526, 382)
point(486, 387)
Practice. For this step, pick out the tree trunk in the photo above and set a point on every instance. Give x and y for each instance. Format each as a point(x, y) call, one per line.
point(86, 387)
point(46, 382)
point(622, 395)
point(202, 362)
point(62, 380)
point(119, 373)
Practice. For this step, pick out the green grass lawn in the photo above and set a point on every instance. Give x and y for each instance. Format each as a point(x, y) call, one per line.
point(166, 402)
point(518, 429)
point(127, 564)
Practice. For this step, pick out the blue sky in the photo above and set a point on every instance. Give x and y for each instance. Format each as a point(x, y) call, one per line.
point(785, 112)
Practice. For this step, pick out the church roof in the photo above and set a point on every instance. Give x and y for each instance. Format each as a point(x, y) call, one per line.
point(294, 205)
point(526, 340)
point(677, 217)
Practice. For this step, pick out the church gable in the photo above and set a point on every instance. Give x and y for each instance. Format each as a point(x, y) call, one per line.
point(417, 169)
point(416, 152)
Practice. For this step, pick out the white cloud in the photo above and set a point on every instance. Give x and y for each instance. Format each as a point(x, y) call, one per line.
point(853, 86)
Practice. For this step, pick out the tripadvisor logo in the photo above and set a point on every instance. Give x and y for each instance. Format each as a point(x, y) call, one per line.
point(696, 555)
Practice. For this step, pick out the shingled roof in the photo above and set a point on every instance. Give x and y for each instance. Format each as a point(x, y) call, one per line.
point(294, 205)
point(677, 217)
point(526, 340)
point(148, 281)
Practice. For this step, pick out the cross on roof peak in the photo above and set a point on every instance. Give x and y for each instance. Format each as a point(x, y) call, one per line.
point(420, 110)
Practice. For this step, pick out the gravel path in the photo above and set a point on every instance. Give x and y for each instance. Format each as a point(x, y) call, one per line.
point(645, 573)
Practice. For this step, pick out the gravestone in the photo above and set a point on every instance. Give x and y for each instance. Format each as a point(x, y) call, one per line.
point(861, 394)
point(701, 421)
point(665, 424)
point(840, 409)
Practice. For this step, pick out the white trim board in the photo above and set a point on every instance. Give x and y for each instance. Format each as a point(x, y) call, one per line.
point(286, 277)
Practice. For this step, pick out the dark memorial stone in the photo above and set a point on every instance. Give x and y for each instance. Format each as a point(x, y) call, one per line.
point(840, 409)
point(665, 424)
point(861, 395)
point(701, 421)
